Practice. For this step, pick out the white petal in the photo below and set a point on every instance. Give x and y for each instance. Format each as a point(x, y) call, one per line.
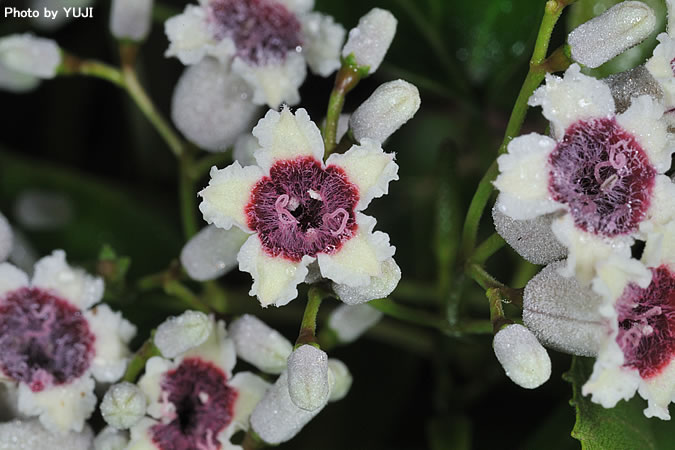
point(369, 168)
point(30, 434)
point(250, 390)
point(212, 252)
point(285, 136)
point(6, 239)
point(61, 408)
point(151, 382)
point(73, 284)
point(217, 349)
point(258, 344)
point(113, 334)
point(322, 42)
point(572, 98)
point(274, 84)
point(224, 200)
point(275, 279)
point(615, 273)
point(609, 385)
point(660, 246)
point(244, 148)
point(378, 287)
point(659, 67)
point(661, 208)
point(659, 391)
point(350, 322)
point(11, 278)
point(140, 436)
point(642, 121)
point(111, 439)
point(524, 177)
point(360, 257)
point(298, 6)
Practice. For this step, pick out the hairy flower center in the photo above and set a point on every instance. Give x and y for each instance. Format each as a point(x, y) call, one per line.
point(303, 209)
point(647, 323)
point(44, 340)
point(603, 174)
point(262, 30)
point(203, 406)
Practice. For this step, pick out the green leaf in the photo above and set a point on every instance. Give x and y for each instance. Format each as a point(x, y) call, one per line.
point(623, 427)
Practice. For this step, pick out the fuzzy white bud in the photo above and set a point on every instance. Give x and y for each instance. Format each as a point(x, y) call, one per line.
point(371, 38)
point(111, 439)
point(340, 379)
point(523, 358)
point(379, 287)
point(30, 434)
point(308, 382)
point(276, 418)
point(260, 345)
point(123, 405)
point(42, 210)
point(386, 110)
point(6, 238)
point(131, 19)
point(616, 30)
point(30, 55)
point(562, 313)
point(212, 252)
point(179, 334)
point(350, 322)
point(16, 82)
point(212, 106)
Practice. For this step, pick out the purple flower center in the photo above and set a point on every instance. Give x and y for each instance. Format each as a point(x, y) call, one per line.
point(262, 30)
point(303, 209)
point(44, 340)
point(204, 406)
point(647, 323)
point(605, 177)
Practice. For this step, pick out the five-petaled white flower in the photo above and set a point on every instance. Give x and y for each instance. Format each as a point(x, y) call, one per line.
point(302, 210)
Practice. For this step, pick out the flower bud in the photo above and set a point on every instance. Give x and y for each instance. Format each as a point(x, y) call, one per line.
point(371, 38)
point(6, 238)
point(386, 110)
point(131, 19)
point(177, 335)
point(16, 82)
point(308, 377)
point(532, 239)
point(123, 405)
point(340, 379)
point(212, 252)
point(30, 55)
point(260, 345)
point(521, 355)
point(379, 287)
point(42, 210)
point(350, 322)
point(630, 84)
point(244, 148)
point(30, 434)
point(276, 418)
point(212, 106)
point(561, 313)
point(111, 439)
point(616, 30)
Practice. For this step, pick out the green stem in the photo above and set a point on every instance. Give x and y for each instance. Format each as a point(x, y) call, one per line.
point(142, 355)
point(487, 282)
point(497, 317)
point(177, 289)
point(188, 196)
point(487, 248)
point(95, 69)
point(307, 333)
point(346, 79)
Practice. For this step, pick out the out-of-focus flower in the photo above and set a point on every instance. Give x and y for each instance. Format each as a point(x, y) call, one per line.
point(110, 438)
point(212, 252)
point(521, 355)
point(266, 42)
point(385, 111)
point(340, 379)
point(25, 60)
point(6, 238)
point(212, 106)
point(193, 399)
point(602, 171)
point(54, 342)
point(131, 19)
point(260, 345)
point(301, 210)
point(42, 210)
point(349, 322)
point(369, 41)
point(308, 383)
point(123, 405)
point(30, 434)
point(616, 30)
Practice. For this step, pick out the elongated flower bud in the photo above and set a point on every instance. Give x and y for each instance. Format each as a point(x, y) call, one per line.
point(386, 110)
point(371, 38)
point(616, 30)
point(30, 55)
point(308, 383)
point(123, 405)
point(350, 322)
point(177, 335)
point(340, 379)
point(30, 434)
point(562, 313)
point(6, 238)
point(212, 252)
point(131, 19)
point(260, 345)
point(521, 355)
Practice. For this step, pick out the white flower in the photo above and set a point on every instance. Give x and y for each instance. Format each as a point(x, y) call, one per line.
point(616, 30)
point(379, 286)
point(300, 209)
point(177, 335)
point(308, 383)
point(260, 345)
point(6, 238)
point(30, 55)
point(196, 388)
point(371, 38)
point(131, 19)
point(521, 355)
point(350, 322)
point(30, 434)
point(385, 111)
point(267, 42)
point(601, 172)
point(123, 405)
point(53, 340)
point(212, 252)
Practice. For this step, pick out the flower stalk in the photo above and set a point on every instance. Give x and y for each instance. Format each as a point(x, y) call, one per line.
point(307, 333)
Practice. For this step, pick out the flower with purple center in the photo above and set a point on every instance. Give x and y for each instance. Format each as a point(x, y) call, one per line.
point(54, 342)
point(194, 401)
point(266, 42)
point(301, 210)
point(601, 173)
